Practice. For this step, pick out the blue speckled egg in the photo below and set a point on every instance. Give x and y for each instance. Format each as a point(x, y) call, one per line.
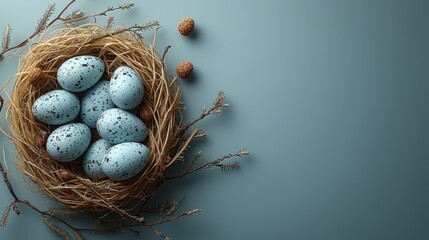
point(95, 101)
point(118, 126)
point(56, 107)
point(93, 157)
point(80, 73)
point(68, 142)
point(126, 88)
point(125, 160)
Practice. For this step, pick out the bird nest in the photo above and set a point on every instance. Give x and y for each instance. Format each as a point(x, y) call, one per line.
point(67, 182)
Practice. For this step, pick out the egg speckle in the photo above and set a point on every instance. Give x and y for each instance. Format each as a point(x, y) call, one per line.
point(118, 126)
point(125, 160)
point(95, 101)
point(92, 159)
point(80, 73)
point(126, 88)
point(68, 142)
point(56, 107)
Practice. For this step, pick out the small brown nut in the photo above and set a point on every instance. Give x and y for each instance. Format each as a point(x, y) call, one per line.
point(186, 26)
point(184, 69)
point(65, 175)
point(36, 76)
point(145, 113)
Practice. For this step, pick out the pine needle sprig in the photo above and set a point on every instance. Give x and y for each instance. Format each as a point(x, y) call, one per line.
point(220, 99)
point(214, 163)
point(200, 134)
point(197, 157)
point(189, 212)
point(63, 212)
point(234, 165)
point(42, 23)
point(126, 6)
point(106, 226)
point(78, 236)
point(146, 27)
point(192, 211)
point(166, 209)
point(56, 229)
point(74, 17)
point(79, 15)
point(110, 22)
point(218, 105)
point(5, 216)
point(136, 29)
point(7, 35)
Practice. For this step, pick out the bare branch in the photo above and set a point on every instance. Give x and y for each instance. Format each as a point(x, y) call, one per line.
point(136, 28)
point(81, 16)
point(217, 107)
point(215, 163)
point(8, 185)
point(165, 52)
point(42, 25)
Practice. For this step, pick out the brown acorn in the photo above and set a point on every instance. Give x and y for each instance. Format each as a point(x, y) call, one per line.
point(65, 175)
point(186, 26)
point(184, 69)
point(145, 113)
point(36, 76)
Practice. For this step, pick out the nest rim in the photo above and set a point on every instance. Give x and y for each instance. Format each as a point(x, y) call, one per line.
point(66, 182)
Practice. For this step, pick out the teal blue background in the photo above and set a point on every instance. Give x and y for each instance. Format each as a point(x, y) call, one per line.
point(331, 97)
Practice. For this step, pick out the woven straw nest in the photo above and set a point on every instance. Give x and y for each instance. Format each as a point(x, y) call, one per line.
point(66, 182)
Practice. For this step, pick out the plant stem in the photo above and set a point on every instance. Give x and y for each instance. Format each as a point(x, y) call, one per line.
point(214, 163)
point(8, 185)
point(103, 13)
point(135, 28)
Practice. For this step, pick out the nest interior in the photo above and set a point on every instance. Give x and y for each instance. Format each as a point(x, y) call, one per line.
point(161, 94)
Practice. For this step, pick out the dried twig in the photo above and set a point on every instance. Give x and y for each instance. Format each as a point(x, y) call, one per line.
point(165, 52)
point(8, 185)
point(79, 15)
point(76, 15)
point(43, 24)
point(215, 163)
point(217, 107)
point(136, 28)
